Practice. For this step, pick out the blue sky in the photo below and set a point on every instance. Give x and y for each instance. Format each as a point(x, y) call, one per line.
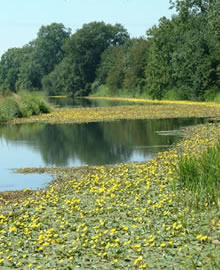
point(20, 20)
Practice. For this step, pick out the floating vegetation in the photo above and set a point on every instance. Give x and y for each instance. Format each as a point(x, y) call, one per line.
point(162, 101)
point(183, 109)
point(129, 216)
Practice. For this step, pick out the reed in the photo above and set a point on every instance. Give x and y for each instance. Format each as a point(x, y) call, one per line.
point(201, 175)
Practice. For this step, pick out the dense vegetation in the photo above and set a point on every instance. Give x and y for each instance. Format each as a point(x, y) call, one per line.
point(22, 105)
point(130, 216)
point(201, 174)
point(178, 59)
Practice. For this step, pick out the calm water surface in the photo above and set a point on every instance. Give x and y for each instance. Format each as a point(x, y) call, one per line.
point(83, 102)
point(40, 145)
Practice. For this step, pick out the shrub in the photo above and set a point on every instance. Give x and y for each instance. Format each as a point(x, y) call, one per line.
point(172, 95)
point(9, 109)
point(3, 118)
point(102, 91)
point(211, 94)
point(24, 105)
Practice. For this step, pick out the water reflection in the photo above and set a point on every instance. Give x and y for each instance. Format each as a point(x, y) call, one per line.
point(93, 143)
point(83, 102)
point(40, 145)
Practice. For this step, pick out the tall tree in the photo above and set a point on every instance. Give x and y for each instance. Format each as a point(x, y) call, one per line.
point(134, 79)
point(86, 46)
point(10, 65)
point(158, 69)
point(24, 68)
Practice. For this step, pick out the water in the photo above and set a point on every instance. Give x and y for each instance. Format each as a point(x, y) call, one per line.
point(83, 102)
point(41, 145)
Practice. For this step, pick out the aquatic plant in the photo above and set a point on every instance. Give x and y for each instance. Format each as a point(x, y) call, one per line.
point(165, 109)
point(114, 217)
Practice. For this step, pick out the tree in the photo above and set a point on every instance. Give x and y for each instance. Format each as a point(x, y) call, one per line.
point(49, 45)
point(186, 7)
point(134, 79)
point(158, 69)
point(85, 48)
point(183, 59)
point(24, 68)
point(10, 64)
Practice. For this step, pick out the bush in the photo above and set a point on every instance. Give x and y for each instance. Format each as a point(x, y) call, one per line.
point(23, 105)
point(9, 110)
point(102, 91)
point(217, 97)
point(43, 105)
point(172, 95)
point(32, 104)
point(211, 94)
point(3, 118)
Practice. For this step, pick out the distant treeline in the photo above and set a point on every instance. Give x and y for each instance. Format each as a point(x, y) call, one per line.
point(178, 59)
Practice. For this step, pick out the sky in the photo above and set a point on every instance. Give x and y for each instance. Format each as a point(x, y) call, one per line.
point(20, 20)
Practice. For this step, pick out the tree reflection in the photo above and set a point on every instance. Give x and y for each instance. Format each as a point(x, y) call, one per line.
point(94, 143)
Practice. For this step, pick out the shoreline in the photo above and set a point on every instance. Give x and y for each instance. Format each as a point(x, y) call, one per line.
point(131, 216)
point(99, 114)
point(67, 172)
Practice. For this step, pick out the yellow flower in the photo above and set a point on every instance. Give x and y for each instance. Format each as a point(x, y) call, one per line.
point(12, 229)
point(125, 228)
point(139, 259)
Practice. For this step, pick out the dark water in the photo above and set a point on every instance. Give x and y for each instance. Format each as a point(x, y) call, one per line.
point(83, 102)
point(40, 145)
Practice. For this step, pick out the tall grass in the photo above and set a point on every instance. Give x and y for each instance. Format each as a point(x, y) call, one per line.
point(201, 175)
point(22, 105)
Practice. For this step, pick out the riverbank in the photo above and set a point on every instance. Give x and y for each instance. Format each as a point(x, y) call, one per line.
point(156, 101)
point(24, 104)
point(129, 216)
point(160, 110)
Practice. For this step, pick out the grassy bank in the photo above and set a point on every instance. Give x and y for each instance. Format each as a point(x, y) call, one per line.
point(22, 105)
point(129, 216)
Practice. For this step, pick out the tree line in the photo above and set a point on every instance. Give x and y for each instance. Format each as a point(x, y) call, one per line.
point(177, 59)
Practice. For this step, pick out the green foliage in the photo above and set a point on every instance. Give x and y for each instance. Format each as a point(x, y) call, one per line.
point(32, 104)
point(8, 110)
point(23, 105)
point(23, 68)
point(184, 53)
point(201, 174)
point(179, 59)
point(101, 91)
point(122, 67)
point(76, 73)
point(134, 79)
point(10, 64)
point(172, 95)
point(211, 94)
point(217, 97)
